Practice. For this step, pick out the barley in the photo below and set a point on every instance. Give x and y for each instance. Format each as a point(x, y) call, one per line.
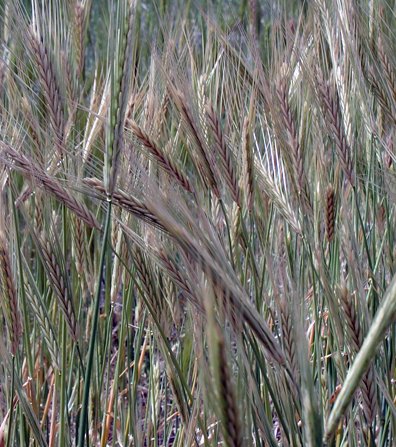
point(79, 14)
point(247, 166)
point(224, 152)
point(59, 284)
point(50, 86)
point(10, 300)
point(332, 111)
point(298, 162)
point(50, 184)
point(162, 158)
point(330, 213)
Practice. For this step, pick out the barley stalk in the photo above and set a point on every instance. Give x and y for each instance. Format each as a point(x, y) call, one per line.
point(126, 201)
point(49, 184)
point(288, 339)
point(330, 213)
point(41, 314)
point(224, 152)
point(368, 387)
point(384, 317)
point(332, 111)
point(162, 158)
point(247, 165)
point(79, 246)
point(297, 158)
point(204, 163)
point(10, 300)
point(70, 89)
point(50, 86)
point(352, 319)
point(389, 70)
point(3, 68)
point(206, 152)
point(119, 100)
point(231, 425)
point(145, 276)
point(79, 25)
point(60, 285)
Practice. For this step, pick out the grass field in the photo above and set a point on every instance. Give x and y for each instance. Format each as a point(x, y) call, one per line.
point(197, 223)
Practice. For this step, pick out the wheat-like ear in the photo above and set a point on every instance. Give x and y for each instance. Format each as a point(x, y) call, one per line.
point(28, 167)
point(43, 319)
point(274, 192)
point(224, 153)
point(289, 337)
point(355, 332)
point(33, 129)
point(293, 141)
point(58, 279)
point(159, 307)
point(381, 95)
point(79, 245)
point(225, 404)
point(122, 72)
point(79, 31)
point(50, 85)
point(231, 424)
point(332, 112)
point(9, 300)
point(354, 328)
point(3, 68)
point(70, 90)
point(171, 268)
point(247, 165)
point(162, 158)
point(146, 278)
point(389, 69)
point(202, 158)
point(330, 213)
point(126, 201)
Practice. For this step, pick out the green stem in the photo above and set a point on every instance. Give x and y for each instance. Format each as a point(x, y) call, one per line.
point(26, 325)
point(62, 415)
point(11, 404)
point(95, 318)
